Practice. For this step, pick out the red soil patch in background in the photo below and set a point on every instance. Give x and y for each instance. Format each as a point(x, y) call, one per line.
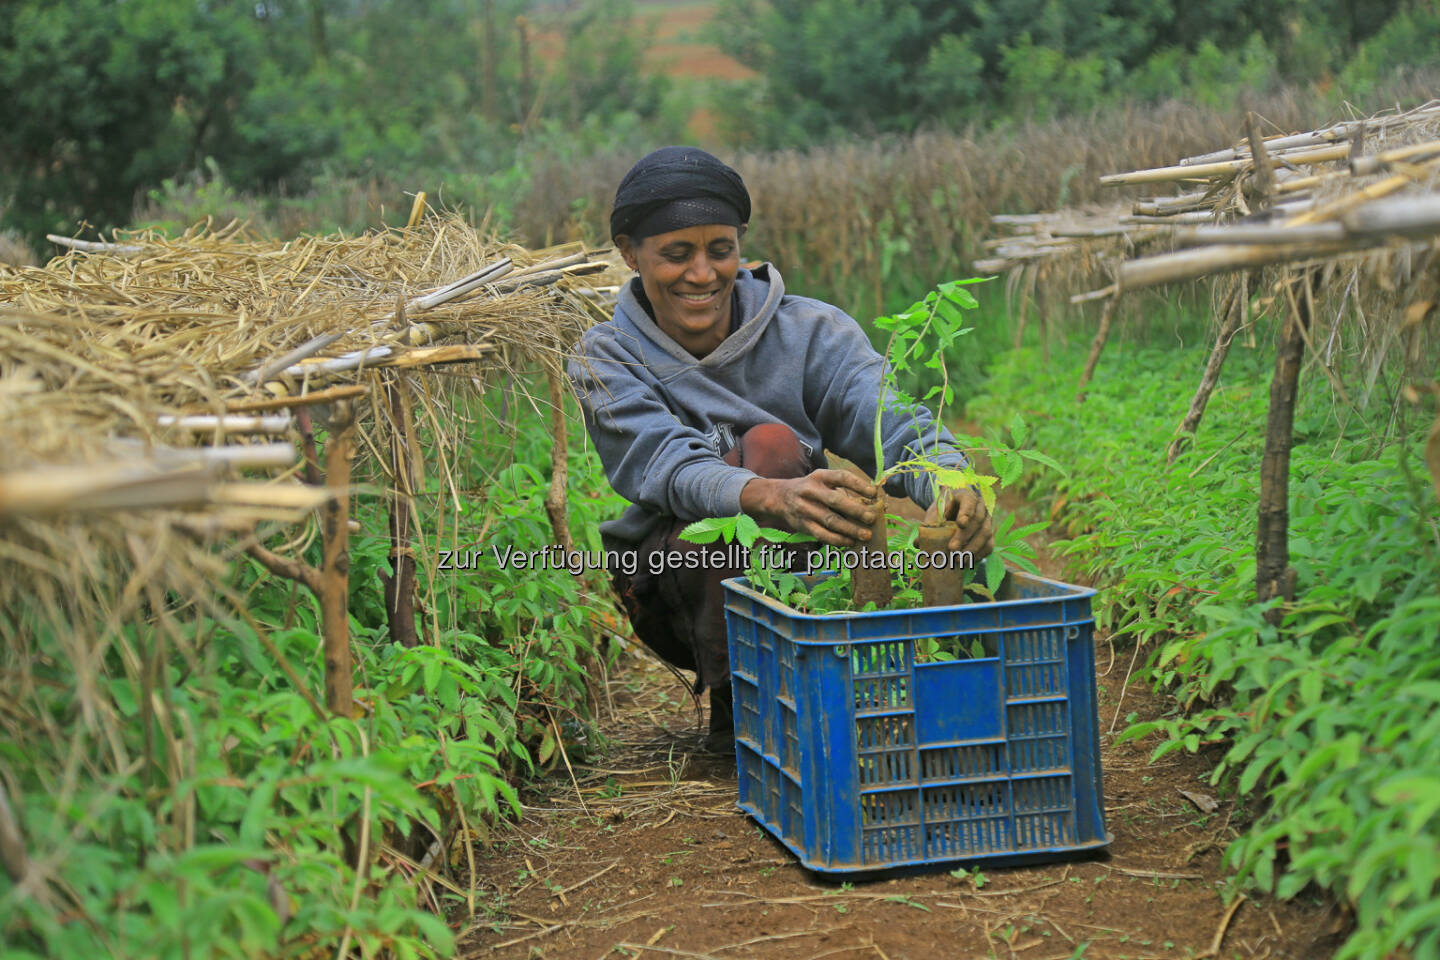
point(682, 48)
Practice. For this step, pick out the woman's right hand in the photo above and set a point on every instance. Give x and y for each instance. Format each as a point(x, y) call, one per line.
point(825, 504)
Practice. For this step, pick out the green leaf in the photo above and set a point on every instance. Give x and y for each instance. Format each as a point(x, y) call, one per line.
point(994, 574)
point(1019, 430)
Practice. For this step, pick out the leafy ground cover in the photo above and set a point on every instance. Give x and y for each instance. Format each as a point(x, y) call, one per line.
point(1324, 727)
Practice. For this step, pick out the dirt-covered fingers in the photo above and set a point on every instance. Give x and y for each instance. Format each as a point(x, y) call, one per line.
point(829, 526)
point(832, 515)
point(845, 480)
point(979, 538)
point(846, 494)
point(974, 525)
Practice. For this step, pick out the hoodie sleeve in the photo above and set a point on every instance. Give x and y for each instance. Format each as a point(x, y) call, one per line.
point(650, 457)
point(843, 377)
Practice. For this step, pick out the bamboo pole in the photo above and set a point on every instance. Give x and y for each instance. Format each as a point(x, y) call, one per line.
point(1265, 234)
point(1364, 166)
point(92, 246)
point(1189, 264)
point(208, 423)
point(1400, 216)
point(286, 360)
point(310, 398)
point(1231, 314)
point(1274, 577)
point(1219, 168)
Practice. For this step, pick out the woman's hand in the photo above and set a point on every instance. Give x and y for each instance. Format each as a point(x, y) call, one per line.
point(825, 504)
point(974, 527)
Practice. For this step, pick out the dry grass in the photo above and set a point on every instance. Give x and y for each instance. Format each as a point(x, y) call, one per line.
point(859, 222)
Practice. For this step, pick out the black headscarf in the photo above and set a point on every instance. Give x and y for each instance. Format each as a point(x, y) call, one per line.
point(677, 187)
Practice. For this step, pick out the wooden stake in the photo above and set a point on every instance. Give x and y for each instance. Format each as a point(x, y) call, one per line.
point(1027, 287)
point(12, 842)
point(1264, 176)
point(555, 505)
point(334, 580)
point(1274, 577)
point(1231, 313)
point(1097, 345)
point(400, 585)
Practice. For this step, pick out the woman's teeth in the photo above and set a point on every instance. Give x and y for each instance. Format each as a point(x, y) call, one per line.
point(695, 297)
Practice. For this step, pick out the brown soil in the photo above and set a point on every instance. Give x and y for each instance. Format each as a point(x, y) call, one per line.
point(651, 859)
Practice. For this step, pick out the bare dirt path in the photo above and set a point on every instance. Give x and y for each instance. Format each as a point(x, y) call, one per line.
point(646, 856)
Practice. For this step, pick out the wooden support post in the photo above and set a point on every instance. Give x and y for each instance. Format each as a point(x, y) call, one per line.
point(1027, 288)
point(1097, 345)
point(1231, 314)
point(555, 504)
point(1263, 177)
point(400, 584)
point(334, 580)
point(1273, 574)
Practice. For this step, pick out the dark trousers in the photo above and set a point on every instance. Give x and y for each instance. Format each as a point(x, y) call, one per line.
point(679, 613)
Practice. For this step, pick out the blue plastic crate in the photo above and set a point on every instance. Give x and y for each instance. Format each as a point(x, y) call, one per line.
point(857, 758)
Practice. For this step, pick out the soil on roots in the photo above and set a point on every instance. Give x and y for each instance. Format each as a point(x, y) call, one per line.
point(644, 855)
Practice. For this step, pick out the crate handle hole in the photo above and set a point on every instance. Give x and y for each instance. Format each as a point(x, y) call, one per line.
point(1072, 632)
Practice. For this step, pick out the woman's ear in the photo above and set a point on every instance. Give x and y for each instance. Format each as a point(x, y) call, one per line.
point(627, 251)
point(740, 231)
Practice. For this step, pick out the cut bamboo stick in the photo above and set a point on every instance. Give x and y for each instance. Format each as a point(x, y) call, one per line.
point(1203, 261)
point(1220, 167)
point(113, 486)
point(257, 456)
point(329, 395)
point(94, 246)
point(291, 496)
point(354, 360)
point(1364, 166)
point(1100, 294)
point(465, 285)
point(208, 423)
point(1260, 233)
point(1398, 216)
point(303, 352)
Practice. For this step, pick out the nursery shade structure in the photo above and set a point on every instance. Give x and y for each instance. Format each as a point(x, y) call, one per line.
point(1348, 213)
point(161, 400)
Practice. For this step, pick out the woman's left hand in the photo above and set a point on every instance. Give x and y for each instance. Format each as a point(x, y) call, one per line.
point(974, 526)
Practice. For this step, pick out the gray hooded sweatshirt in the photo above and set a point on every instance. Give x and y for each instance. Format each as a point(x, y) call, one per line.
point(661, 420)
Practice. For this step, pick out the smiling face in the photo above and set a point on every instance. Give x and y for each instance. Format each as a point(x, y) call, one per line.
point(689, 276)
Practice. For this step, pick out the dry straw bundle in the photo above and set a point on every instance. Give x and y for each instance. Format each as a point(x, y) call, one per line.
point(1347, 214)
point(1298, 196)
point(173, 343)
point(159, 396)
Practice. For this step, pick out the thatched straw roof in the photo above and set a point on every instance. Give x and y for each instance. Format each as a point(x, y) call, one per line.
point(139, 373)
point(1340, 191)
